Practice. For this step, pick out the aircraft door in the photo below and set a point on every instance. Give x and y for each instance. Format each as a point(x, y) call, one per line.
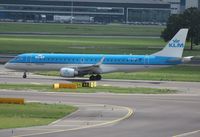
point(28, 59)
point(82, 60)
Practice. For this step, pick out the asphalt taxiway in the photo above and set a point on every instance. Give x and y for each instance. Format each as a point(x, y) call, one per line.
point(154, 115)
point(87, 116)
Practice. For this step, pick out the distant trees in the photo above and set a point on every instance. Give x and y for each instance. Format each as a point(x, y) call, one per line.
point(189, 19)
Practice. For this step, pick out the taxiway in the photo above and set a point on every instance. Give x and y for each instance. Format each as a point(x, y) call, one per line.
point(154, 115)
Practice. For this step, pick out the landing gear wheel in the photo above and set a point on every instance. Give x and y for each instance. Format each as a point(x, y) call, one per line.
point(24, 76)
point(92, 77)
point(98, 77)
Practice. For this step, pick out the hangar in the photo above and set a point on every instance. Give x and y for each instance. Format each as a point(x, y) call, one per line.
point(86, 11)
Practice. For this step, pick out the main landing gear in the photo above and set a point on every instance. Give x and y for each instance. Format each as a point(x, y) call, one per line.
point(24, 75)
point(97, 77)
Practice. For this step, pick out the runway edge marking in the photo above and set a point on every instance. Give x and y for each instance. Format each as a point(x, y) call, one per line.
point(130, 112)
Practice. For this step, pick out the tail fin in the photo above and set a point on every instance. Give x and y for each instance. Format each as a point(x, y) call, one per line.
point(175, 46)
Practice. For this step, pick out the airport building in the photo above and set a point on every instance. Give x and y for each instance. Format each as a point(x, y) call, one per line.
point(199, 4)
point(90, 11)
point(185, 4)
point(99, 11)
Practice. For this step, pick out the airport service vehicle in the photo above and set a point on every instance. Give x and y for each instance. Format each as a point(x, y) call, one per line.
point(78, 65)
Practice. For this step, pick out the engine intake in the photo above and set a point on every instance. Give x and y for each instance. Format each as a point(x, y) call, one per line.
point(68, 72)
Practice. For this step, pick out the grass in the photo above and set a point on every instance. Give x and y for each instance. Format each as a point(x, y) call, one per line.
point(20, 44)
point(16, 44)
point(106, 89)
point(31, 114)
point(176, 73)
point(56, 44)
point(82, 29)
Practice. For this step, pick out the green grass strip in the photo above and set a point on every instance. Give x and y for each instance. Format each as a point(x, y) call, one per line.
point(84, 45)
point(176, 73)
point(98, 89)
point(82, 29)
point(31, 114)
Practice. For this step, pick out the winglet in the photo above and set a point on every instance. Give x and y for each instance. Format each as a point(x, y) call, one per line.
point(175, 46)
point(100, 62)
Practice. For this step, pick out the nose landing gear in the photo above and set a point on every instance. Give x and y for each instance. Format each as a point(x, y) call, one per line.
point(24, 75)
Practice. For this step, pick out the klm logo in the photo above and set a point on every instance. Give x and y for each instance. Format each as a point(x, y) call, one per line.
point(176, 44)
point(40, 56)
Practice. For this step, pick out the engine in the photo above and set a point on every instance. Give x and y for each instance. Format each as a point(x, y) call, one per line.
point(68, 72)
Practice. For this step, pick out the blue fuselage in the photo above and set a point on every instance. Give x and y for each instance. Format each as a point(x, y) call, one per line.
point(111, 63)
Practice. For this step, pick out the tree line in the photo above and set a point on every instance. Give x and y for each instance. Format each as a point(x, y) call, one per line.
point(190, 18)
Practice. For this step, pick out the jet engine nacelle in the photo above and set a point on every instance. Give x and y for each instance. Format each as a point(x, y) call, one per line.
point(68, 72)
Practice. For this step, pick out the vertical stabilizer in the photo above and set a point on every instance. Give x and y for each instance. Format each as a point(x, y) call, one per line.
point(175, 46)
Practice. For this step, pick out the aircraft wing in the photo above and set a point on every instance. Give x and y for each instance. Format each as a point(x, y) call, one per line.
point(91, 68)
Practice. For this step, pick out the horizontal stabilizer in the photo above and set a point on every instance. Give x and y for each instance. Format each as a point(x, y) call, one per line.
point(187, 59)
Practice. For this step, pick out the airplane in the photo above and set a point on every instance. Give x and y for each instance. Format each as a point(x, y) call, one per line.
point(79, 65)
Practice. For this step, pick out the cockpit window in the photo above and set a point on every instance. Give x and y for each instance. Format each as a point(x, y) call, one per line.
point(18, 58)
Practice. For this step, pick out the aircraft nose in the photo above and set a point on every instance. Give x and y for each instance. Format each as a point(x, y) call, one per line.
point(7, 65)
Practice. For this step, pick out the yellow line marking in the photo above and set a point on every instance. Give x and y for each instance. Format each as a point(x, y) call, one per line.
point(130, 112)
point(187, 134)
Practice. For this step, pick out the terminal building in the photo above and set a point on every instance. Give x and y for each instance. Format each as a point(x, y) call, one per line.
point(90, 11)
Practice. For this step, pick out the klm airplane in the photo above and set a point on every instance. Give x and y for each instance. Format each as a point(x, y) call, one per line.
point(73, 65)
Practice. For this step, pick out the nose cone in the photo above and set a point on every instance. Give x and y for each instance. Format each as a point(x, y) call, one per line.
point(7, 65)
